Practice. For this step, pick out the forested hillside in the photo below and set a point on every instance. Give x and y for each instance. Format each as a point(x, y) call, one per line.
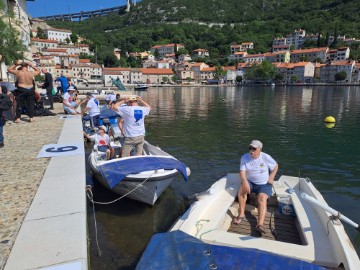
point(154, 22)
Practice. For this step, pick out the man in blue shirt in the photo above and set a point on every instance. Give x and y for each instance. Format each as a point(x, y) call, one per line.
point(64, 83)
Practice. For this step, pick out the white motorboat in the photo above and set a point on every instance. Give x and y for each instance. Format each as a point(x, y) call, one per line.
point(141, 86)
point(296, 226)
point(142, 178)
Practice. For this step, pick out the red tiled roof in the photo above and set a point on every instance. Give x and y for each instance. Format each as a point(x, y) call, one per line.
point(58, 30)
point(312, 50)
point(55, 50)
point(209, 69)
point(43, 40)
point(157, 71)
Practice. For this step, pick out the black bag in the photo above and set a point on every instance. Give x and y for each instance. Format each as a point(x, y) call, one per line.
point(5, 102)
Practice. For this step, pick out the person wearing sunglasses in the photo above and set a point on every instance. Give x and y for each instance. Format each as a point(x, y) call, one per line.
point(257, 173)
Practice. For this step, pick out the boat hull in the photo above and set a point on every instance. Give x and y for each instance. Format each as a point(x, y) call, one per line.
point(210, 220)
point(139, 188)
point(141, 87)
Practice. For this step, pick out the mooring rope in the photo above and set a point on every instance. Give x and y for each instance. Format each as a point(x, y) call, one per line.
point(90, 196)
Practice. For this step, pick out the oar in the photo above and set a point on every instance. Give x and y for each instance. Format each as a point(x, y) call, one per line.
point(330, 210)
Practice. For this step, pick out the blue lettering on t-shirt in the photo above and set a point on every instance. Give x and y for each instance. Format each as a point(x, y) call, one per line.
point(138, 114)
point(96, 102)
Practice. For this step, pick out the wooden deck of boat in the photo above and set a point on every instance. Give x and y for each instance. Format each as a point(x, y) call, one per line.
point(278, 227)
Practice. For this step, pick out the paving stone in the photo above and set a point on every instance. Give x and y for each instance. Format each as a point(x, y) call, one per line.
point(21, 172)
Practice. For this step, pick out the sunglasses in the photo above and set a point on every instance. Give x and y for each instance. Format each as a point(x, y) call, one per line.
point(252, 148)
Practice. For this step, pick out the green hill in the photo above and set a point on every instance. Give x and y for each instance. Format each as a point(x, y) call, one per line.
point(188, 22)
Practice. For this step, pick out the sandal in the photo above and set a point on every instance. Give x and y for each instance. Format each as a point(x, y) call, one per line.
point(260, 229)
point(238, 220)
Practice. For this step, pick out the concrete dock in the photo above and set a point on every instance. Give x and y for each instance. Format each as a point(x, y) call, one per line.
point(42, 200)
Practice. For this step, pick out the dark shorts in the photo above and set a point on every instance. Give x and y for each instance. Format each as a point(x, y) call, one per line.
point(95, 120)
point(103, 148)
point(267, 188)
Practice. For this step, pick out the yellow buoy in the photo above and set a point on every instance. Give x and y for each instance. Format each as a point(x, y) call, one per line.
point(329, 125)
point(329, 119)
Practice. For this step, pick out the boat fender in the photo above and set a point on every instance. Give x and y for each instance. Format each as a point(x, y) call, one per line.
point(188, 171)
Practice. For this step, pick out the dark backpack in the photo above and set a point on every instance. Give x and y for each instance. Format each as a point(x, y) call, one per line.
point(5, 102)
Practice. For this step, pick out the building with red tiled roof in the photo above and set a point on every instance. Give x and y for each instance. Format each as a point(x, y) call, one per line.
point(329, 71)
point(166, 49)
point(243, 47)
point(157, 75)
point(312, 55)
point(200, 53)
point(338, 54)
point(38, 44)
point(296, 72)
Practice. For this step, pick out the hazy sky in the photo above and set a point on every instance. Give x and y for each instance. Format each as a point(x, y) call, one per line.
point(40, 8)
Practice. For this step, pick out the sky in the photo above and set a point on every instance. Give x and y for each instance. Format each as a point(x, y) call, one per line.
point(40, 8)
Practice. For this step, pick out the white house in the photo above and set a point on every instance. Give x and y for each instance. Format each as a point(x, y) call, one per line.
point(58, 34)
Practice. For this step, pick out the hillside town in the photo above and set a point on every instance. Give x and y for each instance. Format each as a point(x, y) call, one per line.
point(162, 64)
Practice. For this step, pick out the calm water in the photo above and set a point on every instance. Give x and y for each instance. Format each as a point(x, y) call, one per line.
point(209, 128)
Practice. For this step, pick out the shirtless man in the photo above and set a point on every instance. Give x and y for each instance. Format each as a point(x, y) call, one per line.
point(25, 87)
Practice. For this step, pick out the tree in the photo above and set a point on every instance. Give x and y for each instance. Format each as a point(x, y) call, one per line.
point(74, 38)
point(294, 78)
point(156, 54)
point(165, 79)
point(41, 33)
point(239, 79)
point(318, 42)
point(175, 78)
point(11, 47)
point(67, 40)
point(181, 51)
point(279, 76)
point(318, 60)
point(264, 71)
point(219, 73)
point(340, 76)
point(327, 39)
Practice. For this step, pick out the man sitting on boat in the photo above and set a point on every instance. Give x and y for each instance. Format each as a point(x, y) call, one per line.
point(257, 173)
point(134, 127)
point(102, 141)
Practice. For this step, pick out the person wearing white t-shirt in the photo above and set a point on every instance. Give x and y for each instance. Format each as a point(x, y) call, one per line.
point(133, 126)
point(108, 98)
point(257, 173)
point(93, 108)
point(69, 102)
point(102, 141)
point(113, 99)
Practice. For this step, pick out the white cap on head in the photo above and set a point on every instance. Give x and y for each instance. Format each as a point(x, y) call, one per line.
point(103, 128)
point(256, 144)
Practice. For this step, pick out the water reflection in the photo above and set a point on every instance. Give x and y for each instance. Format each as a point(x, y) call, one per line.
point(209, 128)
